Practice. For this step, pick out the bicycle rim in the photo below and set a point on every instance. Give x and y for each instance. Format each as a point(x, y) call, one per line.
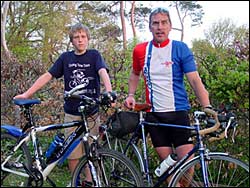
point(16, 162)
point(132, 152)
point(223, 171)
point(113, 170)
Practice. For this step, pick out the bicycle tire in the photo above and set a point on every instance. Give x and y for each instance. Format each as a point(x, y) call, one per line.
point(132, 152)
point(20, 157)
point(116, 171)
point(223, 171)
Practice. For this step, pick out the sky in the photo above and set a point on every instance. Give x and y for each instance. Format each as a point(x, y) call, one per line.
point(238, 11)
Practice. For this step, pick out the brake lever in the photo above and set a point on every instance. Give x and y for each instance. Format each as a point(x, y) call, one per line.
point(228, 124)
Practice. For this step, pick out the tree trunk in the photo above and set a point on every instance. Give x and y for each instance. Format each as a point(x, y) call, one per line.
point(5, 8)
point(133, 18)
point(123, 25)
point(181, 22)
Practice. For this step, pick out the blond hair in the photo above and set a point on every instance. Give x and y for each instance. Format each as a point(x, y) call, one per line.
point(78, 27)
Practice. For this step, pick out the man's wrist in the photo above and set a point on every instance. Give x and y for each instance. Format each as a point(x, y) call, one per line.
point(131, 95)
point(208, 106)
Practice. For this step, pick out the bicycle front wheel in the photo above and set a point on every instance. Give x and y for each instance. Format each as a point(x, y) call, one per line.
point(222, 171)
point(132, 152)
point(113, 170)
point(16, 163)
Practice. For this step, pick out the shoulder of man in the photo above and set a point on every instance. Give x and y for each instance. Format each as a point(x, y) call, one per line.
point(179, 43)
point(141, 48)
point(142, 44)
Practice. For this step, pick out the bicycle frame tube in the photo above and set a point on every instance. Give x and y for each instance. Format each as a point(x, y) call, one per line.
point(13, 130)
point(70, 140)
point(25, 139)
point(145, 153)
point(68, 145)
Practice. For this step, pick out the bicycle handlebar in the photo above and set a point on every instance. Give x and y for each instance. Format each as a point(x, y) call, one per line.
point(143, 107)
point(217, 123)
point(106, 97)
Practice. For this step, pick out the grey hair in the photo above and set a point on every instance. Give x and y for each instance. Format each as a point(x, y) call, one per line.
point(157, 11)
point(78, 27)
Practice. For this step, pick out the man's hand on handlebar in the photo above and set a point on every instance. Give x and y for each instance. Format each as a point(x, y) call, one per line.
point(130, 102)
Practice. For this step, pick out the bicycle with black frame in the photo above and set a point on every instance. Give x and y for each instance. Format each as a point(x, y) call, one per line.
point(29, 167)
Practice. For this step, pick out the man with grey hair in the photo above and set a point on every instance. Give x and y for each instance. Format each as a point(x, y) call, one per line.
point(163, 63)
point(79, 66)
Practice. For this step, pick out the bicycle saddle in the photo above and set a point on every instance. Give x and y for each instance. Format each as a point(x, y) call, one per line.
point(142, 107)
point(26, 102)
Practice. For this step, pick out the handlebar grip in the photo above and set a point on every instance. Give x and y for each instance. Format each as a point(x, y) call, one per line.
point(217, 123)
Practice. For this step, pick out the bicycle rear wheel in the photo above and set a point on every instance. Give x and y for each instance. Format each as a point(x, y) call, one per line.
point(15, 163)
point(223, 171)
point(113, 170)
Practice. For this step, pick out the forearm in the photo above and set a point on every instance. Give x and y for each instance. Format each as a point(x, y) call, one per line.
point(105, 79)
point(200, 91)
point(39, 83)
point(202, 95)
point(133, 82)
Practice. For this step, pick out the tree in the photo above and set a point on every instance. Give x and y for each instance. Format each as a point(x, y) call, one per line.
point(132, 18)
point(38, 29)
point(123, 25)
point(188, 8)
point(222, 34)
point(5, 7)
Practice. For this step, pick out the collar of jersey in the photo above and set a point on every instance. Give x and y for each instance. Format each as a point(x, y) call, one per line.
point(161, 45)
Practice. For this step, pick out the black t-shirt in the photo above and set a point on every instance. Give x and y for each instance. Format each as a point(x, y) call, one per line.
point(79, 69)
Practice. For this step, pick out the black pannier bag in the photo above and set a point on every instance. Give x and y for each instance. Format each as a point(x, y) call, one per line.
point(123, 123)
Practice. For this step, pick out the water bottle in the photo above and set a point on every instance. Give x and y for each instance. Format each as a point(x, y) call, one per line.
point(165, 164)
point(57, 142)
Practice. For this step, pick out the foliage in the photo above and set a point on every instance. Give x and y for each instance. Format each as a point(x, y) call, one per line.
point(225, 69)
point(17, 77)
point(35, 30)
point(37, 34)
point(223, 64)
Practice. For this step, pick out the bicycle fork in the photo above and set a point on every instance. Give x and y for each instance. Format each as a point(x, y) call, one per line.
point(94, 174)
point(203, 155)
point(91, 154)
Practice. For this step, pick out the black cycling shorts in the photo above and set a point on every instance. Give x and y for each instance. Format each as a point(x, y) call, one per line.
point(168, 136)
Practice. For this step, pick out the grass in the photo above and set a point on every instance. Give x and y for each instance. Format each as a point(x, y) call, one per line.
point(60, 175)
